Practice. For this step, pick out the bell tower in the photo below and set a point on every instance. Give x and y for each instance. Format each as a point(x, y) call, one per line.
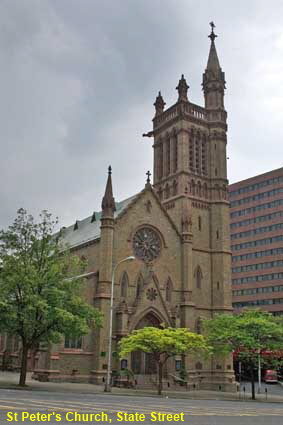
point(190, 179)
point(190, 142)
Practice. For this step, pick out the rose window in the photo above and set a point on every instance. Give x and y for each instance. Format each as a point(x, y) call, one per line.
point(146, 244)
point(151, 294)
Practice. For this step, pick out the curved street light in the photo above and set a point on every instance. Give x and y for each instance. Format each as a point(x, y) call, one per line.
point(108, 378)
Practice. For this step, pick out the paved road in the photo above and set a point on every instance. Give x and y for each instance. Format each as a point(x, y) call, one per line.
point(195, 412)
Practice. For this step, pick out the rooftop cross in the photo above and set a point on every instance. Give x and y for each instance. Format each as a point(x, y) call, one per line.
point(212, 36)
point(148, 176)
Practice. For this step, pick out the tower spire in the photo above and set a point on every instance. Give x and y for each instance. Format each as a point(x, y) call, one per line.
point(213, 61)
point(213, 81)
point(108, 202)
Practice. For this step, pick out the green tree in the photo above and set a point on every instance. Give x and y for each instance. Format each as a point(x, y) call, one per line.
point(163, 343)
point(247, 334)
point(40, 297)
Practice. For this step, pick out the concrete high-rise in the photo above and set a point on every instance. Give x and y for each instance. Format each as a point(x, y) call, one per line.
point(256, 228)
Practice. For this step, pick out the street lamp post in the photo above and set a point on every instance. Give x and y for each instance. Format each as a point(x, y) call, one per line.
point(259, 372)
point(109, 363)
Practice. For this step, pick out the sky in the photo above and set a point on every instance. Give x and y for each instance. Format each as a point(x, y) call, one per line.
point(78, 79)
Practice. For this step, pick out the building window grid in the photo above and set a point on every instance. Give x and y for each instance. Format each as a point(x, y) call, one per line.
point(257, 197)
point(254, 291)
point(251, 210)
point(257, 278)
point(259, 266)
point(257, 231)
point(254, 303)
point(259, 242)
point(258, 219)
point(266, 253)
point(256, 186)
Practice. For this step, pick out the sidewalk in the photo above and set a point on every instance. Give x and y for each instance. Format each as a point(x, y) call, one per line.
point(9, 380)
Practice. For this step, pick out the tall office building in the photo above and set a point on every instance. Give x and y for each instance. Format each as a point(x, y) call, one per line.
point(256, 229)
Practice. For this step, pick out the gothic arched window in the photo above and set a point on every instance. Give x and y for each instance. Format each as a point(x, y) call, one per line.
point(168, 156)
point(193, 187)
point(124, 284)
point(224, 191)
point(175, 188)
point(167, 191)
point(199, 189)
point(191, 153)
point(203, 156)
point(139, 285)
point(197, 156)
point(175, 154)
point(205, 190)
point(198, 326)
point(160, 161)
point(217, 191)
point(168, 290)
point(198, 276)
point(199, 222)
point(83, 263)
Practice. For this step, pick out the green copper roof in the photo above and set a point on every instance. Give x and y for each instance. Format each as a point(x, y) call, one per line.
point(87, 230)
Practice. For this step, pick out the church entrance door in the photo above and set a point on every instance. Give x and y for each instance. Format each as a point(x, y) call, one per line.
point(144, 363)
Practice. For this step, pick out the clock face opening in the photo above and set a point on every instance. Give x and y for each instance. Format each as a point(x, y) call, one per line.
point(146, 244)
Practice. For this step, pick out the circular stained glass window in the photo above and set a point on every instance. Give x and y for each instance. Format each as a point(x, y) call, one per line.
point(146, 244)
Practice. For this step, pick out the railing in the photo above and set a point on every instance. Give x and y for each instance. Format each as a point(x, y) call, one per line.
point(195, 110)
point(189, 109)
point(166, 116)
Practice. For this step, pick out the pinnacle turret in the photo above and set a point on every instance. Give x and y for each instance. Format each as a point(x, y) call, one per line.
point(159, 104)
point(108, 202)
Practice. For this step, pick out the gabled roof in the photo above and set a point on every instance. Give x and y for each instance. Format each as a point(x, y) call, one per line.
point(134, 200)
point(87, 230)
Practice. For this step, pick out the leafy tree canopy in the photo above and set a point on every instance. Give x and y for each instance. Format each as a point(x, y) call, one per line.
point(168, 342)
point(40, 297)
point(248, 334)
point(250, 331)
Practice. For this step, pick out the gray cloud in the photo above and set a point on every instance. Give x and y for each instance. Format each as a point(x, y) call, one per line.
point(78, 79)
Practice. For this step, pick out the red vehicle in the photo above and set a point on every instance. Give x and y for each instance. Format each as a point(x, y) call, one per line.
point(270, 377)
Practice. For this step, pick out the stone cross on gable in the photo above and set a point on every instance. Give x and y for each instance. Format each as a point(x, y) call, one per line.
point(148, 176)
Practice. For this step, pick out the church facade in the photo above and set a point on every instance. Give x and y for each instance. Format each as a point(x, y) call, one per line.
point(177, 228)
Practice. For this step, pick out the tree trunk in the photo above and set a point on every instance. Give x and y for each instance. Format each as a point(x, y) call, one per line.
point(253, 382)
point(160, 370)
point(24, 365)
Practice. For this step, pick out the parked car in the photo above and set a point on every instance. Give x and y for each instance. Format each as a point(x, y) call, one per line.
point(270, 377)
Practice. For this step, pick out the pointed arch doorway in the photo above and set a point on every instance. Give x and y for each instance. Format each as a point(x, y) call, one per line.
point(144, 363)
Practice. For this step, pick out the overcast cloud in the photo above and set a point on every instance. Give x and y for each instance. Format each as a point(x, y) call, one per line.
point(79, 77)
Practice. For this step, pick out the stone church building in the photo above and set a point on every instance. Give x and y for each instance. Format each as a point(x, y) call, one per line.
point(177, 228)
